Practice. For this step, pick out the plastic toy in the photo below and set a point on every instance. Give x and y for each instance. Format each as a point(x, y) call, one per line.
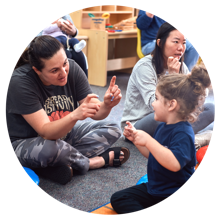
point(32, 175)
point(91, 15)
point(143, 179)
point(201, 153)
point(106, 15)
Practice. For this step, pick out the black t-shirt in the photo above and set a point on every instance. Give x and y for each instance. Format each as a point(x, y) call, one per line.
point(27, 94)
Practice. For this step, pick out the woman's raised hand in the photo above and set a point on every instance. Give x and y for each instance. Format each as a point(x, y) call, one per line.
point(113, 94)
point(173, 65)
point(87, 109)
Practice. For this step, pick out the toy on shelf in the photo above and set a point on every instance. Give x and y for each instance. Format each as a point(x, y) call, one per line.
point(106, 15)
point(91, 15)
point(108, 25)
point(128, 24)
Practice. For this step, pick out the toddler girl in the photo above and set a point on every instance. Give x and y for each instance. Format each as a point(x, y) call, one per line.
point(171, 151)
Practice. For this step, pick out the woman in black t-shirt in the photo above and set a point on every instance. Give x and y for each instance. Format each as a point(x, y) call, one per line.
point(43, 118)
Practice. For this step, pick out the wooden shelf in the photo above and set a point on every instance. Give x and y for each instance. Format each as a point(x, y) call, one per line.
point(96, 8)
point(110, 12)
point(117, 13)
point(108, 8)
point(107, 51)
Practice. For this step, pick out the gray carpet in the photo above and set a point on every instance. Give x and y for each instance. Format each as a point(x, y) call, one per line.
point(94, 189)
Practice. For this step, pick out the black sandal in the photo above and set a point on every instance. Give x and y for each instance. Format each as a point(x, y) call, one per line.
point(116, 161)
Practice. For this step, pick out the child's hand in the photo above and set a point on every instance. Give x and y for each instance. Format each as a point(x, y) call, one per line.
point(138, 137)
point(128, 131)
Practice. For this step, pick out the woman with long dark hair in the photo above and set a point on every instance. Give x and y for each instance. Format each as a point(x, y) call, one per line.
point(48, 97)
point(166, 58)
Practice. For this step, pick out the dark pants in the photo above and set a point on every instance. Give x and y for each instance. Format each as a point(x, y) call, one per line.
point(133, 199)
point(79, 58)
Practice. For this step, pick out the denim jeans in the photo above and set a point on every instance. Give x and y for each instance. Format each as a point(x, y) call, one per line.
point(190, 58)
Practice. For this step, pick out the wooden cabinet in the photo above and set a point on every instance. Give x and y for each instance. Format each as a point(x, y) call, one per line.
point(117, 13)
point(107, 51)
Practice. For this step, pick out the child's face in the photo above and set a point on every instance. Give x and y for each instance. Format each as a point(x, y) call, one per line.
point(160, 107)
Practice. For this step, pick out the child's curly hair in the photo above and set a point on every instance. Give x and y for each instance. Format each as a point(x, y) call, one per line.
point(188, 90)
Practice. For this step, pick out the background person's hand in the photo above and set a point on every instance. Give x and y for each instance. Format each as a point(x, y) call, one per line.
point(55, 22)
point(87, 109)
point(58, 21)
point(66, 26)
point(149, 15)
point(173, 65)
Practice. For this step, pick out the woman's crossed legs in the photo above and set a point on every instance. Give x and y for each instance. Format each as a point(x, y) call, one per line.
point(80, 148)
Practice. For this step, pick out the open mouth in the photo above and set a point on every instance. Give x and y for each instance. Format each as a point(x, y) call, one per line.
point(178, 56)
point(62, 79)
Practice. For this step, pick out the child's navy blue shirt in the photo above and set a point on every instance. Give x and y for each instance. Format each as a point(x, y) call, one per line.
point(179, 138)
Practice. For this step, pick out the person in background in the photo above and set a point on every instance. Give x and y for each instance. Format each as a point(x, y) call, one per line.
point(166, 58)
point(69, 43)
point(149, 25)
point(55, 31)
point(68, 28)
point(65, 28)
